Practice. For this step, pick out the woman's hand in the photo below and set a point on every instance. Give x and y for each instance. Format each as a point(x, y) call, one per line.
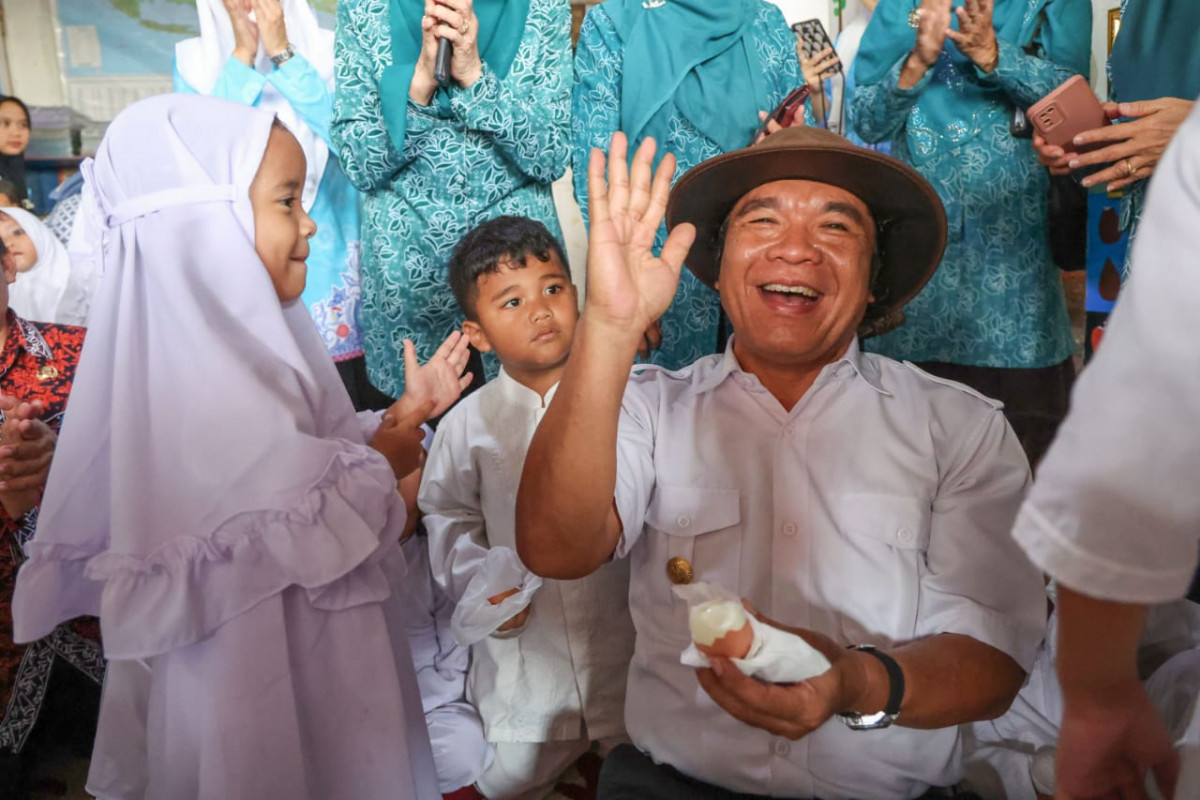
point(423, 85)
point(976, 37)
point(272, 29)
point(1132, 149)
point(1052, 158)
point(932, 28)
point(245, 32)
point(456, 23)
point(814, 68)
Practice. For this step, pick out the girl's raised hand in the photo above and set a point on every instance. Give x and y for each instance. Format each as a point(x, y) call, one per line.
point(438, 382)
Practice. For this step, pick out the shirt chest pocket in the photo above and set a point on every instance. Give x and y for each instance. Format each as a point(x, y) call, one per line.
point(879, 560)
point(692, 534)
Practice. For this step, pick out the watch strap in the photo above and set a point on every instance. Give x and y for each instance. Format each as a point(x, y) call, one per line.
point(895, 677)
point(286, 55)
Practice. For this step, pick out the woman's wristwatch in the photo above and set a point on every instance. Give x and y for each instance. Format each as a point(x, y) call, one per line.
point(286, 55)
point(885, 718)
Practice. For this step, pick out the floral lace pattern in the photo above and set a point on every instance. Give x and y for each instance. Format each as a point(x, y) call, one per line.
point(495, 150)
point(996, 300)
point(689, 326)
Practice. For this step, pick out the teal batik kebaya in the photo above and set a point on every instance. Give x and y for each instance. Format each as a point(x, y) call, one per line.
point(431, 173)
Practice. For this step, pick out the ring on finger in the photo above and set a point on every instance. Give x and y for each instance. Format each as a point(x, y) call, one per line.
point(1130, 169)
point(914, 18)
point(466, 27)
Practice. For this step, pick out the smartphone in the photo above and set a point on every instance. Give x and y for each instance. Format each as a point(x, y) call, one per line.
point(785, 113)
point(1069, 110)
point(814, 39)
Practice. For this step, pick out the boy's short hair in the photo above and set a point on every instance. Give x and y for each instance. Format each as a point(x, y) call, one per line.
point(482, 250)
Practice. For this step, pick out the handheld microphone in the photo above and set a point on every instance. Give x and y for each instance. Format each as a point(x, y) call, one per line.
point(441, 65)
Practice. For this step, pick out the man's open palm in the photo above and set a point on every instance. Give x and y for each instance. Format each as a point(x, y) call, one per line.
point(628, 285)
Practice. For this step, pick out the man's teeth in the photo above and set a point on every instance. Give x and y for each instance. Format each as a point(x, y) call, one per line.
point(800, 290)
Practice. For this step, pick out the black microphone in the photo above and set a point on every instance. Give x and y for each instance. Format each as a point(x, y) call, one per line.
point(441, 65)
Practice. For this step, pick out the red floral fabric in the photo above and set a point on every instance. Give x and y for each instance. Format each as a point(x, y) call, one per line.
point(37, 363)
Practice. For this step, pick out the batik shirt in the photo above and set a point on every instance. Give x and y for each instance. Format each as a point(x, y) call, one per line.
point(689, 326)
point(331, 290)
point(38, 363)
point(996, 300)
point(493, 150)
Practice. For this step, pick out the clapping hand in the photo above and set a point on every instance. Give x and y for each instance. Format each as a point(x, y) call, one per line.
point(438, 382)
point(976, 36)
point(26, 450)
point(933, 24)
point(628, 287)
point(268, 26)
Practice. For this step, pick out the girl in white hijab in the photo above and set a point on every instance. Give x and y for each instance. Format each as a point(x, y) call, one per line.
point(43, 283)
point(214, 499)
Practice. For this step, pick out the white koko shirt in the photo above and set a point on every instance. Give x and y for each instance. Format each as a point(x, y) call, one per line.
point(566, 668)
point(1115, 512)
point(877, 511)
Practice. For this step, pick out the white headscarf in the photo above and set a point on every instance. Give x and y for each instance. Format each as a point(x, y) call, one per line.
point(210, 456)
point(38, 292)
point(201, 60)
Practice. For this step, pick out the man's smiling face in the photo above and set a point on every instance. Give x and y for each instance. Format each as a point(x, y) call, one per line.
point(795, 272)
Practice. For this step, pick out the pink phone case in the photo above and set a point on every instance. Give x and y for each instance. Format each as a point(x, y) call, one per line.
point(1067, 111)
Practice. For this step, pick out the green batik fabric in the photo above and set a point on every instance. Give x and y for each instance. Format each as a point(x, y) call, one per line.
point(494, 150)
point(689, 326)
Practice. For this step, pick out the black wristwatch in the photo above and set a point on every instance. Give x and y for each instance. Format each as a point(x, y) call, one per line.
point(885, 718)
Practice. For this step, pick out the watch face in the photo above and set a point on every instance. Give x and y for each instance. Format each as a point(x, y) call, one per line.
point(868, 722)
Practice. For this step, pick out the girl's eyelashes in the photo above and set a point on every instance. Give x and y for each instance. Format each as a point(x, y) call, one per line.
point(513, 303)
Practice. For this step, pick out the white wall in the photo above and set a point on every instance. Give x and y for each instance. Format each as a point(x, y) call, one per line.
point(31, 50)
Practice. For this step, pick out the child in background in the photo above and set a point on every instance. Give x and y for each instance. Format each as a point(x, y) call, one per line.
point(15, 130)
point(215, 500)
point(548, 660)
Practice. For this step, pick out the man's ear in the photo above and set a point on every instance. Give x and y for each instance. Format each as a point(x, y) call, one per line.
point(476, 336)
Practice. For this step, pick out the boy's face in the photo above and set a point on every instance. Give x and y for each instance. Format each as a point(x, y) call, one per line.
point(526, 315)
point(281, 227)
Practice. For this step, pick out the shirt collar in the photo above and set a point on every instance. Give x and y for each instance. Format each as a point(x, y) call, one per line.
point(519, 394)
point(25, 335)
point(853, 359)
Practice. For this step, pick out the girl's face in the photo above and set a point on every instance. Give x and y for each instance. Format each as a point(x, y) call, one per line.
point(281, 228)
point(19, 245)
point(14, 129)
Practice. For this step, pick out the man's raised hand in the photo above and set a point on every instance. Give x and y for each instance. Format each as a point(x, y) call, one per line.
point(628, 287)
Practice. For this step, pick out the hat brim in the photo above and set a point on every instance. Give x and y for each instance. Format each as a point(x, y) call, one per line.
point(907, 211)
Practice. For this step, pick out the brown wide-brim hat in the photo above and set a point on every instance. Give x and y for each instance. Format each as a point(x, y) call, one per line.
point(908, 214)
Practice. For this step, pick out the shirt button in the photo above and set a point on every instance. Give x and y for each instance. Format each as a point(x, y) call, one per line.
point(789, 528)
point(683, 522)
point(790, 430)
point(905, 535)
point(782, 747)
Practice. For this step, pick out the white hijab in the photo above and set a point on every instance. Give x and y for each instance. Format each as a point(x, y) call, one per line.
point(201, 60)
point(38, 292)
point(207, 421)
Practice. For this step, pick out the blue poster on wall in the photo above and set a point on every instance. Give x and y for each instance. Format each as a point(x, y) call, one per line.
point(1106, 245)
point(134, 37)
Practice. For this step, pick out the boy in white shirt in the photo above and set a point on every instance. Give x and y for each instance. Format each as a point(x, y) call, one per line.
point(549, 660)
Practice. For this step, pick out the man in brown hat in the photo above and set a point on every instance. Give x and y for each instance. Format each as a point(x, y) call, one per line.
point(854, 500)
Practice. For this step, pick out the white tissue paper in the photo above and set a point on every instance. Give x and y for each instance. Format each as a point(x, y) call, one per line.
point(775, 656)
point(474, 618)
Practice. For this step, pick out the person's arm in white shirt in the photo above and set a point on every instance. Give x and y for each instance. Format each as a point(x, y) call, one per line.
point(567, 525)
point(453, 516)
